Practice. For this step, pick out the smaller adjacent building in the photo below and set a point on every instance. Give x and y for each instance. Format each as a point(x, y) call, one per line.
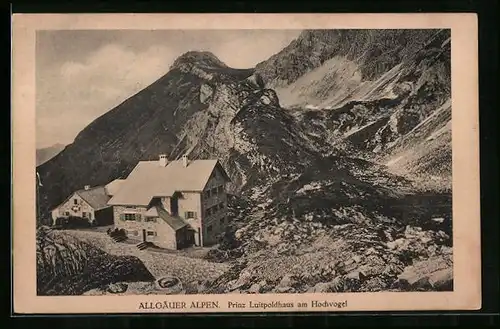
point(90, 203)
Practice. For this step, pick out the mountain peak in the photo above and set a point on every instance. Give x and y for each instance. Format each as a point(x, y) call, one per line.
point(199, 58)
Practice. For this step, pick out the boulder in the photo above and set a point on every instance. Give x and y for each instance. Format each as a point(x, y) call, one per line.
point(356, 258)
point(348, 267)
point(205, 93)
point(388, 236)
point(244, 279)
point(117, 288)
point(239, 233)
point(196, 287)
point(397, 244)
point(441, 235)
point(287, 281)
point(337, 284)
point(255, 288)
point(370, 251)
point(282, 290)
point(425, 239)
point(321, 287)
point(371, 270)
point(446, 250)
point(349, 262)
point(269, 96)
point(442, 280)
point(354, 275)
point(374, 284)
point(306, 276)
point(393, 269)
point(170, 285)
point(432, 274)
point(265, 99)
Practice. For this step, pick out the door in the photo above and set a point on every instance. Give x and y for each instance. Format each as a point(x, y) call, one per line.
point(179, 239)
point(144, 235)
point(190, 237)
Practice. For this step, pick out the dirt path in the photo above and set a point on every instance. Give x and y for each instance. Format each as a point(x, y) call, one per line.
point(159, 264)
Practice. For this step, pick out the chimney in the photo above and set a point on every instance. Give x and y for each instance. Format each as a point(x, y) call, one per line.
point(86, 187)
point(185, 160)
point(163, 160)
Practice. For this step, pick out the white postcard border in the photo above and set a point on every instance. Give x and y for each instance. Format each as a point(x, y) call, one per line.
point(466, 215)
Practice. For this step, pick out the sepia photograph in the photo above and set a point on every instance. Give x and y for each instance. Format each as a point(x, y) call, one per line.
point(225, 161)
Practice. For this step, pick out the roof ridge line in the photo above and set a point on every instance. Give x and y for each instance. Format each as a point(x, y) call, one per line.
point(90, 188)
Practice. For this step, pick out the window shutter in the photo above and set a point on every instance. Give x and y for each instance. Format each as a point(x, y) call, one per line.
point(138, 217)
point(122, 216)
point(194, 214)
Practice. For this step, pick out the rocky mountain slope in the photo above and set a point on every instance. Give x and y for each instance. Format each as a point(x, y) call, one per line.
point(384, 93)
point(46, 153)
point(311, 185)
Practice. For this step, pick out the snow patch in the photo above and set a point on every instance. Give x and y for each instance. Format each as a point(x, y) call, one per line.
point(309, 187)
point(445, 42)
point(446, 105)
point(356, 129)
point(394, 160)
point(439, 132)
point(313, 134)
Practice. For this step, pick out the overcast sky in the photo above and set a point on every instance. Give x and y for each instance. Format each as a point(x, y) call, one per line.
point(80, 75)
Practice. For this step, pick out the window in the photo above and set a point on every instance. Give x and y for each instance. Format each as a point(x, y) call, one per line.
point(214, 191)
point(221, 205)
point(67, 213)
point(207, 194)
point(75, 201)
point(190, 214)
point(150, 219)
point(84, 214)
point(209, 228)
point(220, 189)
point(132, 216)
point(151, 233)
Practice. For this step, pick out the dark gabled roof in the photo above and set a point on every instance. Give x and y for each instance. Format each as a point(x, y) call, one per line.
point(96, 197)
point(174, 221)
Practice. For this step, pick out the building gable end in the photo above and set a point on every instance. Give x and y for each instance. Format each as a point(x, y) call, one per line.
point(218, 168)
point(86, 202)
point(67, 199)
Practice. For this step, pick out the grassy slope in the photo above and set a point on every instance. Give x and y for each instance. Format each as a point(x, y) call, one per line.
point(69, 266)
